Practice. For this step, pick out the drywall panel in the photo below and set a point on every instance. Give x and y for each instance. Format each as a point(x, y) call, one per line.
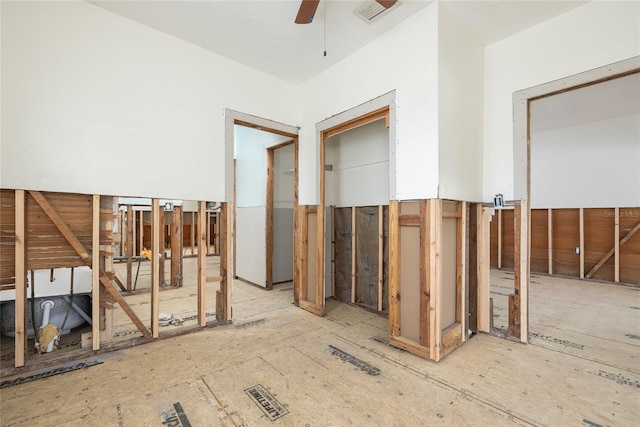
point(402, 59)
point(282, 244)
point(449, 293)
point(283, 192)
point(460, 109)
point(250, 245)
point(89, 96)
point(410, 283)
point(358, 160)
point(595, 164)
point(590, 36)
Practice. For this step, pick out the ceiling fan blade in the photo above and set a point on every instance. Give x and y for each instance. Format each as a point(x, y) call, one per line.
point(387, 3)
point(307, 11)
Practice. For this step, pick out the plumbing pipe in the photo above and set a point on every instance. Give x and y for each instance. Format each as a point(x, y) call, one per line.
point(46, 306)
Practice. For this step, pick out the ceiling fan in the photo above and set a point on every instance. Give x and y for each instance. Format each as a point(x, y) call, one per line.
point(308, 9)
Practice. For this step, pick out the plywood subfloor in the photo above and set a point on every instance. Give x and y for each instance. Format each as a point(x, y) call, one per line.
point(278, 365)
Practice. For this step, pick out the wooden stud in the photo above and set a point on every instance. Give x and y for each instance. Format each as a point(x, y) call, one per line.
point(155, 267)
point(304, 253)
point(609, 254)
point(380, 256)
point(176, 246)
point(269, 217)
point(525, 239)
point(484, 279)
point(224, 310)
point(461, 312)
point(514, 309)
point(581, 226)
point(435, 278)
point(129, 247)
point(394, 269)
point(141, 232)
point(193, 232)
point(202, 264)
point(95, 272)
point(296, 221)
point(425, 273)
point(134, 224)
point(20, 314)
point(121, 230)
point(499, 239)
point(353, 255)
point(550, 239)
point(616, 245)
point(321, 229)
point(208, 233)
point(161, 231)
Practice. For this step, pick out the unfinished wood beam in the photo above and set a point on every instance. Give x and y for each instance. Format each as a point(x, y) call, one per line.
point(155, 268)
point(426, 268)
point(435, 278)
point(581, 225)
point(617, 246)
point(394, 269)
point(304, 252)
point(161, 248)
point(135, 238)
point(353, 254)
point(129, 247)
point(484, 280)
point(141, 237)
point(269, 236)
point(202, 264)
point(461, 316)
point(550, 239)
point(224, 310)
point(499, 238)
point(20, 306)
point(193, 232)
point(176, 246)
point(208, 233)
point(525, 228)
point(513, 328)
point(380, 255)
point(95, 274)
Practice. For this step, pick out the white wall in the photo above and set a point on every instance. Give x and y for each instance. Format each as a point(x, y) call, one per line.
point(594, 164)
point(403, 59)
point(593, 35)
point(460, 108)
point(96, 103)
point(360, 166)
point(251, 247)
point(251, 167)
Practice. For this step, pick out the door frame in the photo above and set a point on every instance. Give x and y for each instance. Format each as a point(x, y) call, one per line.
point(522, 164)
point(270, 237)
point(233, 118)
point(382, 107)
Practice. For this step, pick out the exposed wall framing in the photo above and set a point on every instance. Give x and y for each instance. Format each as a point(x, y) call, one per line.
point(428, 276)
point(579, 243)
point(56, 230)
point(359, 256)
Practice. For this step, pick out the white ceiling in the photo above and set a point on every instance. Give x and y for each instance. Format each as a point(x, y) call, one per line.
point(262, 33)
